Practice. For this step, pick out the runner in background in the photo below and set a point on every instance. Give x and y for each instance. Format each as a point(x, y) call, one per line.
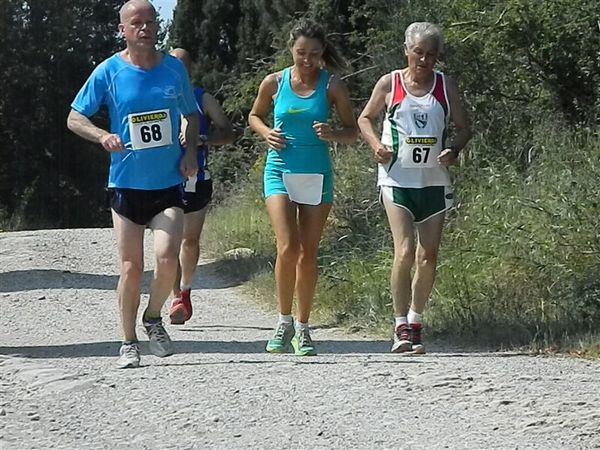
point(215, 129)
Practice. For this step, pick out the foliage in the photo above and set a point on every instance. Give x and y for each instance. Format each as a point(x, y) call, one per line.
point(50, 178)
point(512, 58)
point(527, 241)
point(520, 252)
point(519, 257)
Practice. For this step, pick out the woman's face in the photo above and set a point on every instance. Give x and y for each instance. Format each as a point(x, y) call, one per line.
point(422, 56)
point(307, 53)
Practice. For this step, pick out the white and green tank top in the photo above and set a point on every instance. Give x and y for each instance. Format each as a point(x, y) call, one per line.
point(415, 128)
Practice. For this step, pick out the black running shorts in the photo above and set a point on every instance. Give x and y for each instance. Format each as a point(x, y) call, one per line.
point(195, 201)
point(140, 206)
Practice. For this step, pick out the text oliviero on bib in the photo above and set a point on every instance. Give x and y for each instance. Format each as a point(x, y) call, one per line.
point(150, 129)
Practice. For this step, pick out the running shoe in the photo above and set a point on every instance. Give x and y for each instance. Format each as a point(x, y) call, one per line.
point(181, 308)
point(417, 344)
point(402, 342)
point(303, 344)
point(129, 356)
point(160, 343)
point(280, 341)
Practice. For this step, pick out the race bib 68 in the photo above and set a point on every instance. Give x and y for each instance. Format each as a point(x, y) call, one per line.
point(150, 129)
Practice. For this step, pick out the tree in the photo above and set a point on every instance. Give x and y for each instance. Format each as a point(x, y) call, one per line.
point(515, 61)
point(208, 30)
point(49, 177)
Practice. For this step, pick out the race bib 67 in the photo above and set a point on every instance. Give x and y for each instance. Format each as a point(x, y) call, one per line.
point(419, 152)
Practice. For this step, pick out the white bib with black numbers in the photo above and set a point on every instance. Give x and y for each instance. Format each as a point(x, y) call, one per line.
point(150, 129)
point(419, 152)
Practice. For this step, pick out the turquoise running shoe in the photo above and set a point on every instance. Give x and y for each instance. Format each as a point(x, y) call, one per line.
point(303, 344)
point(281, 339)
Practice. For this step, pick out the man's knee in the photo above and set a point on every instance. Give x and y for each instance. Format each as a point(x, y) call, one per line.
point(404, 255)
point(427, 257)
point(132, 270)
point(168, 257)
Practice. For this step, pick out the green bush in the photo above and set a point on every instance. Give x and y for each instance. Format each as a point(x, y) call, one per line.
point(518, 260)
point(240, 221)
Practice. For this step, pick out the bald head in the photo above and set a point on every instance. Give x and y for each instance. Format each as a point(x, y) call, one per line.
point(133, 6)
point(184, 56)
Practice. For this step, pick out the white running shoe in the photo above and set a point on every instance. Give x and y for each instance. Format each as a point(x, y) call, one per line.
point(129, 356)
point(402, 342)
point(160, 343)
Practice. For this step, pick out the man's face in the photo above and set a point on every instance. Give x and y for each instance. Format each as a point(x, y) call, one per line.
point(139, 26)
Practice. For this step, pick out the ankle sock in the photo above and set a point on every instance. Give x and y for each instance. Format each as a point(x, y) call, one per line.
point(300, 325)
point(400, 321)
point(414, 317)
point(150, 315)
point(285, 318)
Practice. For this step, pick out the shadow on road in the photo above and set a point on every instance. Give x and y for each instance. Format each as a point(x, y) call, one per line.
point(325, 347)
point(34, 279)
point(211, 275)
point(95, 349)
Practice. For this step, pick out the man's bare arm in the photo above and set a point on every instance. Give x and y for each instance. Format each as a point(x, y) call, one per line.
point(83, 126)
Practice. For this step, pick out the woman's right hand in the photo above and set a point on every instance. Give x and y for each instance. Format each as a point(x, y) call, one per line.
point(275, 139)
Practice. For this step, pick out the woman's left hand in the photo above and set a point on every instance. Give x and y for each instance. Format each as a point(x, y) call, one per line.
point(323, 130)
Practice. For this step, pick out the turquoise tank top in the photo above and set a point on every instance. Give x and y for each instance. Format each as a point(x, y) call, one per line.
point(294, 115)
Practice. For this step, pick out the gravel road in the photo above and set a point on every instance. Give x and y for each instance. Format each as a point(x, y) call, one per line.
point(59, 388)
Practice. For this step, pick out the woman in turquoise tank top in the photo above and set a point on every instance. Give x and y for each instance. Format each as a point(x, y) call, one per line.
point(298, 178)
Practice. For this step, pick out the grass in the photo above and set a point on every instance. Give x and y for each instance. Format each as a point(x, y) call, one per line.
point(518, 261)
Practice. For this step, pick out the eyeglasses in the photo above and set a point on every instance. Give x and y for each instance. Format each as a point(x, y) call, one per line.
point(140, 25)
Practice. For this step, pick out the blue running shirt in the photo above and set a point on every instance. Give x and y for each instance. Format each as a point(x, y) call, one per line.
point(294, 115)
point(144, 107)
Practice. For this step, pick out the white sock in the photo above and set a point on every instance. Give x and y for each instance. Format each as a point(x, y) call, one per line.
point(285, 318)
point(185, 287)
point(414, 317)
point(401, 320)
point(301, 325)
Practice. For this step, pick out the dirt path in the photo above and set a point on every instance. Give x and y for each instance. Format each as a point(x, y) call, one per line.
point(59, 388)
